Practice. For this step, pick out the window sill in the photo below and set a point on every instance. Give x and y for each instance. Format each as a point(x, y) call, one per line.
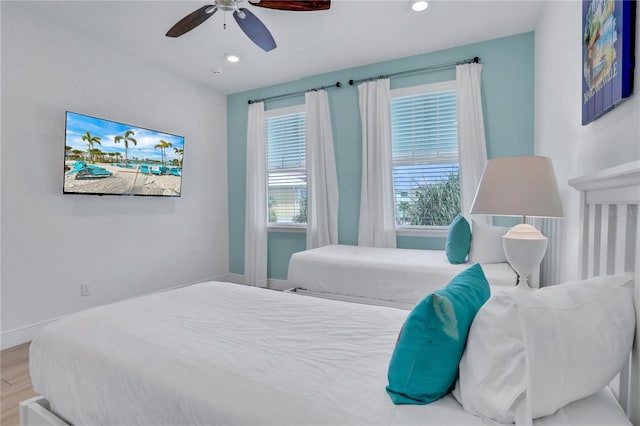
point(287, 228)
point(417, 231)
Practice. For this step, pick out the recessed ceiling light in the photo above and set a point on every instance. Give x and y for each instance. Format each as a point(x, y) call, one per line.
point(419, 5)
point(232, 57)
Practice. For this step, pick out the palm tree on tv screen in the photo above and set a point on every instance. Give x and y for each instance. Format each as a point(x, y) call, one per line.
point(163, 145)
point(126, 138)
point(90, 140)
point(180, 152)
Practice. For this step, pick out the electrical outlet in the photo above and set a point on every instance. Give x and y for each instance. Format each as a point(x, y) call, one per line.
point(84, 289)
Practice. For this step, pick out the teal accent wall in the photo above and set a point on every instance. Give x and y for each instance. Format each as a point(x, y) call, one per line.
point(507, 91)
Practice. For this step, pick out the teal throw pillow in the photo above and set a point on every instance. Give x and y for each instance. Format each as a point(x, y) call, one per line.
point(458, 240)
point(424, 364)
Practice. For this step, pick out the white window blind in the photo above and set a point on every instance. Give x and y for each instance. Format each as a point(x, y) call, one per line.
point(286, 166)
point(425, 155)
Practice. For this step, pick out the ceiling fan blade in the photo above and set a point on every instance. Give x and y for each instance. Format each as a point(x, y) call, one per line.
point(300, 5)
point(254, 29)
point(192, 20)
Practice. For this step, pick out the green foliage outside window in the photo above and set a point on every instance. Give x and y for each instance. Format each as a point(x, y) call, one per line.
point(302, 217)
point(273, 217)
point(432, 204)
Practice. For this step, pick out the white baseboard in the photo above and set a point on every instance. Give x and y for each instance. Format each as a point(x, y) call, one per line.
point(281, 285)
point(231, 278)
point(21, 335)
point(272, 283)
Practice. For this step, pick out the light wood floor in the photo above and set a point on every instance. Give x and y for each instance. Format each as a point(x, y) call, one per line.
point(16, 382)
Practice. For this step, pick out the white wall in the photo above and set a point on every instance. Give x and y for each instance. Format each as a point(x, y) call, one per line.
point(121, 246)
point(575, 149)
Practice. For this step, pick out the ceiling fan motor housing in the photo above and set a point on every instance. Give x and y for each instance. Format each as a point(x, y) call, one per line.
point(228, 5)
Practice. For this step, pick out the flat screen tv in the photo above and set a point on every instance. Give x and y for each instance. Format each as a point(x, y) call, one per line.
point(104, 157)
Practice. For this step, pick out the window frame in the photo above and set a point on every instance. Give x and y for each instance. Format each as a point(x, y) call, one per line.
point(417, 230)
point(280, 226)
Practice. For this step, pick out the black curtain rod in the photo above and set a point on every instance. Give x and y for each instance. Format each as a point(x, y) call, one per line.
point(425, 69)
point(286, 95)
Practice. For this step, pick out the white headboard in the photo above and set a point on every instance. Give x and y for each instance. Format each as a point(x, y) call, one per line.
point(610, 244)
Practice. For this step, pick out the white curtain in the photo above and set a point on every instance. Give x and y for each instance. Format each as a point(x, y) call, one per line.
point(322, 181)
point(377, 212)
point(472, 146)
point(255, 233)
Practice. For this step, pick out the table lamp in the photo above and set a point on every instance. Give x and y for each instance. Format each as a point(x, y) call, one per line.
point(520, 186)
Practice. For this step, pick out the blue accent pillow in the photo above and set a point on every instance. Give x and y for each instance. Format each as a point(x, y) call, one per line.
point(424, 364)
point(458, 240)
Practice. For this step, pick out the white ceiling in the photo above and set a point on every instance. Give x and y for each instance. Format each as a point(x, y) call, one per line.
point(351, 33)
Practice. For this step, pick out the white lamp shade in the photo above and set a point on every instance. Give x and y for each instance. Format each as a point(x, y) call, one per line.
point(518, 186)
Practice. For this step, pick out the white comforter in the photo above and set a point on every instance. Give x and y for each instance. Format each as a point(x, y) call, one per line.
point(401, 277)
point(224, 354)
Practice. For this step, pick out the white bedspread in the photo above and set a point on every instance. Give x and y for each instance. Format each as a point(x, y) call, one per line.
point(400, 276)
point(226, 354)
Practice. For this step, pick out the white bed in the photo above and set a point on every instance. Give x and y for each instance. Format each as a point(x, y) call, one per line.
point(172, 359)
point(219, 353)
point(394, 277)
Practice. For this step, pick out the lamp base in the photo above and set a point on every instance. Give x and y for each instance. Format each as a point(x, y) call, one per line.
point(524, 247)
point(523, 283)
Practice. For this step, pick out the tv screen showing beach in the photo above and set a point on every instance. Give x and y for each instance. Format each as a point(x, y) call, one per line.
point(104, 157)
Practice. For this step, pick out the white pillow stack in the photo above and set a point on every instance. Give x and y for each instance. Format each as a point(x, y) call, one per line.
point(529, 353)
point(486, 243)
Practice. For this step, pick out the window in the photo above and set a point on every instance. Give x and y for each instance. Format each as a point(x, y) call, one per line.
point(286, 166)
point(425, 155)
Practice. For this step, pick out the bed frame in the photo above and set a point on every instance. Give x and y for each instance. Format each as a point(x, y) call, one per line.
point(609, 244)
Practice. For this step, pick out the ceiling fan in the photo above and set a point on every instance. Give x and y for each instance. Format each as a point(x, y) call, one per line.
point(248, 22)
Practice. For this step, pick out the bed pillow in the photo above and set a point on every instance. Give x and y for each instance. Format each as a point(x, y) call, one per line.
point(424, 364)
point(529, 353)
point(486, 243)
point(458, 240)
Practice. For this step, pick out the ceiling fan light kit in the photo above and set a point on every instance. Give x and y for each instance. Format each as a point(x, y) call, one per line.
point(246, 20)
